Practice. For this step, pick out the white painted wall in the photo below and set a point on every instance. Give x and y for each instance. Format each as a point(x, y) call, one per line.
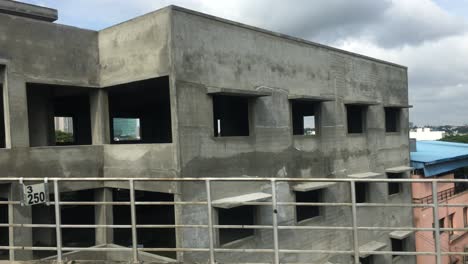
point(425, 133)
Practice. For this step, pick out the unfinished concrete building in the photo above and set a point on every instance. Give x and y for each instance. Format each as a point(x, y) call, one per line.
point(176, 94)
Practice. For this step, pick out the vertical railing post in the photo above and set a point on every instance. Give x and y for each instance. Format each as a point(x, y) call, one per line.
point(275, 221)
point(437, 227)
point(133, 219)
point(58, 221)
point(11, 221)
point(354, 221)
point(210, 220)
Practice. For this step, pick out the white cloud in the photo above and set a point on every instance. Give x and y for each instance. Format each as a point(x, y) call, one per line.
point(438, 83)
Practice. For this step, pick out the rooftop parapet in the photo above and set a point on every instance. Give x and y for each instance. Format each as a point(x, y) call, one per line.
point(27, 10)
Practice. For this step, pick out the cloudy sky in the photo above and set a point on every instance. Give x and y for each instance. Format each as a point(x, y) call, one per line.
point(428, 36)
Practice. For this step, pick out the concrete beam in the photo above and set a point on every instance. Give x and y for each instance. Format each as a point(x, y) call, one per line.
point(100, 125)
point(27, 10)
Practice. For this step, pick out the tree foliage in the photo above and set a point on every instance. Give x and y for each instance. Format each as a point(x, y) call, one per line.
point(63, 137)
point(456, 138)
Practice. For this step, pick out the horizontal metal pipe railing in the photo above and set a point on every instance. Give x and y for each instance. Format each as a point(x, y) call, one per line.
point(211, 226)
point(246, 179)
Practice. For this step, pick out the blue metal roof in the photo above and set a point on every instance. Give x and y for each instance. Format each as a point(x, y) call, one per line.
point(437, 157)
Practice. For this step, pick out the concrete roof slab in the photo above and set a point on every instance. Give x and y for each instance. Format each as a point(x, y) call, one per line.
point(16, 8)
point(400, 234)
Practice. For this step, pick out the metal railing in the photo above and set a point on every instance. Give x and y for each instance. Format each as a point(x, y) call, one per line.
point(441, 196)
point(211, 227)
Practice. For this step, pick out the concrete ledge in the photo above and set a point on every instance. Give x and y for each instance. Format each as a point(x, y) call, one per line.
point(236, 92)
point(371, 246)
point(27, 10)
point(365, 103)
point(398, 106)
point(400, 234)
point(399, 169)
point(310, 186)
point(235, 201)
point(311, 98)
point(365, 175)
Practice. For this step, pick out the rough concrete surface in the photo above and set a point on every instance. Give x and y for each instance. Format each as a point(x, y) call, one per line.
point(201, 53)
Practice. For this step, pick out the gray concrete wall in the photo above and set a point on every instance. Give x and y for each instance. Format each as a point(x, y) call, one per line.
point(198, 52)
point(214, 53)
point(42, 52)
point(137, 49)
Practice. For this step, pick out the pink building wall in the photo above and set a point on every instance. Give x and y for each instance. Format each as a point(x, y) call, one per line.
point(424, 217)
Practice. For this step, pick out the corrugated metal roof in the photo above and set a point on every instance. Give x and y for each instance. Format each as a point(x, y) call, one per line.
point(437, 157)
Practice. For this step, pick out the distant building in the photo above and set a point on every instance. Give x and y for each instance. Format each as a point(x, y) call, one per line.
point(425, 133)
point(443, 160)
point(64, 124)
point(126, 129)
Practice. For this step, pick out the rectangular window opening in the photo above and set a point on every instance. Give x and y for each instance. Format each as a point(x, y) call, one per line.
point(304, 117)
point(242, 215)
point(441, 225)
point(126, 129)
point(451, 223)
point(58, 115)
point(362, 189)
point(397, 246)
point(394, 187)
point(304, 212)
point(140, 112)
point(465, 216)
point(356, 118)
point(231, 116)
point(392, 119)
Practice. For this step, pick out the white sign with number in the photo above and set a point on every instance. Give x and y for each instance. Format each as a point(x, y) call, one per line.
point(35, 194)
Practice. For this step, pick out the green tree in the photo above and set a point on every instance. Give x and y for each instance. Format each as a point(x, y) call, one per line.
point(63, 137)
point(456, 138)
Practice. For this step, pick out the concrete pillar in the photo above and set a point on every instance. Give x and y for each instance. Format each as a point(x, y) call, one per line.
point(16, 111)
point(19, 215)
point(6, 132)
point(100, 117)
point(104, 216)
point(41, 117)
